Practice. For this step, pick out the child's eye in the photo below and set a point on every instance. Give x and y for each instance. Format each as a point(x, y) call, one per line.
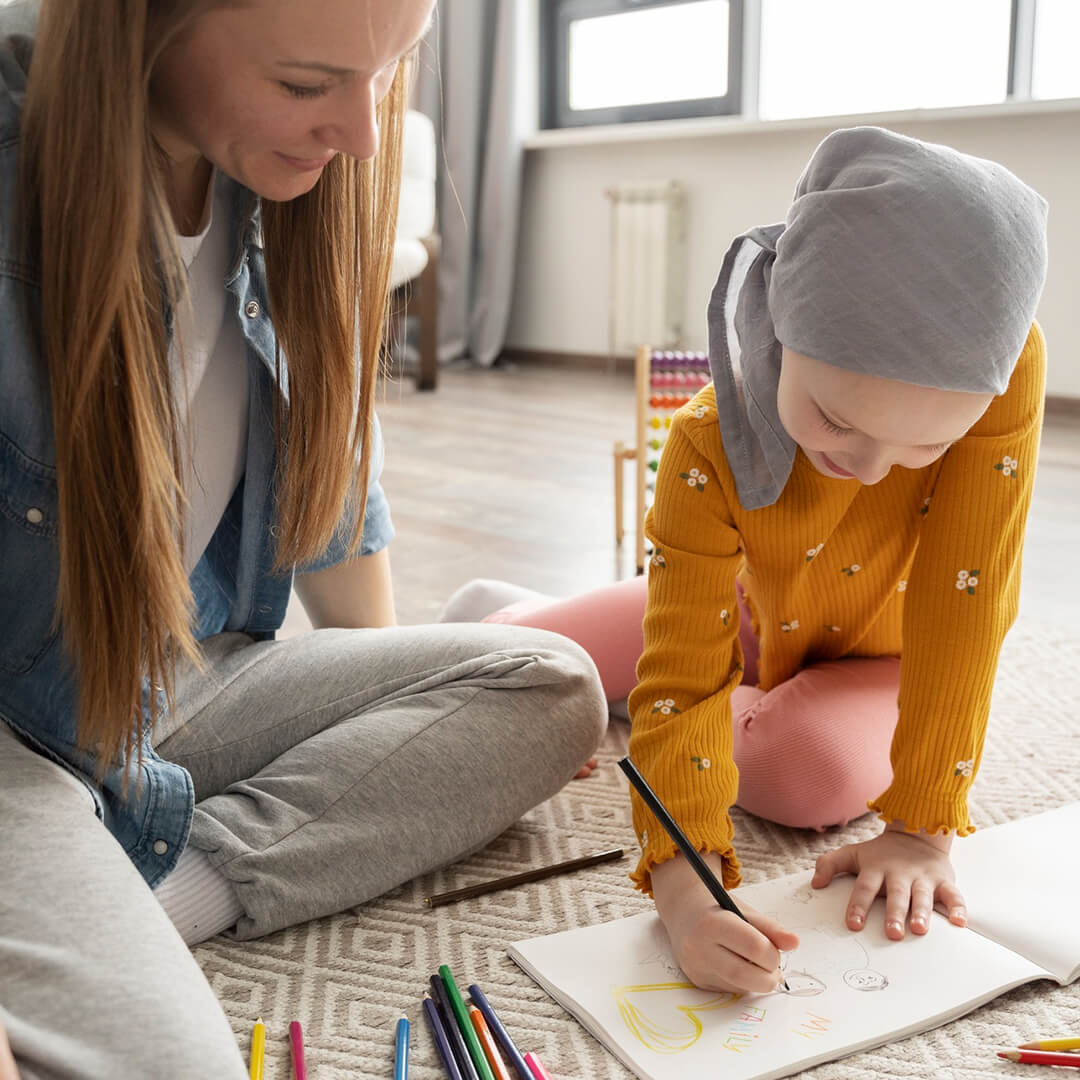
point(835, 429)
point(305, 91)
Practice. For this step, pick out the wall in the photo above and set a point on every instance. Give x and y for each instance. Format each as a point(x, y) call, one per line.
point(744, 176)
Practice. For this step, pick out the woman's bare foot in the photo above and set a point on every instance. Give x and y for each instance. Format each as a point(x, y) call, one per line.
point(586, 769)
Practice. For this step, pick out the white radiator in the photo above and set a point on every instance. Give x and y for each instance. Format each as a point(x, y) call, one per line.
point(648, 265)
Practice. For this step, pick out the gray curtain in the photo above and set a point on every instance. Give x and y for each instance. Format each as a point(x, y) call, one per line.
point(477, 85)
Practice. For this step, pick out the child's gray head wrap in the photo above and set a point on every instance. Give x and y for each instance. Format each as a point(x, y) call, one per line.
point(901, 259)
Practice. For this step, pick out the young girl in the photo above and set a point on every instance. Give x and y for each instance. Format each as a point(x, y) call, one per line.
point(196, 225)
point(836, 540)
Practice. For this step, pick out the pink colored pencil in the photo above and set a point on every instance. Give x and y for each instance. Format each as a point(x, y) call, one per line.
point(1040, 1057)
point(537, 1067)
point(296, 1041)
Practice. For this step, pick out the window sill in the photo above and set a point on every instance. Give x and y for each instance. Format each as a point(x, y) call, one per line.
point(713, 126)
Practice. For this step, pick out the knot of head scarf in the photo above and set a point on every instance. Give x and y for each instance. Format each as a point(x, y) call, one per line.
point(900, 259)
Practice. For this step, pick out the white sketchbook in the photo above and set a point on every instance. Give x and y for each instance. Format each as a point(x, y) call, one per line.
point(848, 991)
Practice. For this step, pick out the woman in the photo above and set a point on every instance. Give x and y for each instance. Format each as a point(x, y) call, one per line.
point(197, 222)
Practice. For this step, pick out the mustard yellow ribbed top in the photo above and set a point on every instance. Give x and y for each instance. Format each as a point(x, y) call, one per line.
point(927, 558)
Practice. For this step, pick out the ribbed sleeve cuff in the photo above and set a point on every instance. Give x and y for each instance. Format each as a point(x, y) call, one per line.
point(659, 852)
point(923, 811)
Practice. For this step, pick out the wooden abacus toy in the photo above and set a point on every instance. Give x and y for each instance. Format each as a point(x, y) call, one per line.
point(664, 380)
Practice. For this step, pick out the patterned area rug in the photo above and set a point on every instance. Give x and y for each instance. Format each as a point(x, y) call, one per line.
point(350, 977)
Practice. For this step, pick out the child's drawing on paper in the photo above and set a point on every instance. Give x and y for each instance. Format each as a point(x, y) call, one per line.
point(821, 951)
point(664, 1016)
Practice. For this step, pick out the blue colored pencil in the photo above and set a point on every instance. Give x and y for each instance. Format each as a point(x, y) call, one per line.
point(442, 1043)
point(453, 1032)
point(500, 1032)
point(401, 1053)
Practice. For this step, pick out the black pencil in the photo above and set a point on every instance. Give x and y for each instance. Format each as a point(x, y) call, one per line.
point(538, 874)
point(693, 856)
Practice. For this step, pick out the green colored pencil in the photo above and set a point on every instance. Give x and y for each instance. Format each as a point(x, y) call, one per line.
point(457, 1003)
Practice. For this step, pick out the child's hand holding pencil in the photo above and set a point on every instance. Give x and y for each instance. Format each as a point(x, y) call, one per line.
point(718, 945)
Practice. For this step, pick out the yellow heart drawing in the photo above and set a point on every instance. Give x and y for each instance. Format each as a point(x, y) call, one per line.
point(679, 996)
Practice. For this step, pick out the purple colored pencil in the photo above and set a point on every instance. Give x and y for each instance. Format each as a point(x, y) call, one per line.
point(438, 1033)
point(453, 1032)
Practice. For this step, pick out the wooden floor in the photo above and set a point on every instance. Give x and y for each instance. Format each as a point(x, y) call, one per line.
point(508, 474)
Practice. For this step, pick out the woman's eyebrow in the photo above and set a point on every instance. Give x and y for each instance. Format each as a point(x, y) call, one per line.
point(314, 65)
point(340, 72)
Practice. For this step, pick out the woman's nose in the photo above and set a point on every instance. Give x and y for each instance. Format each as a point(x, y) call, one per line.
point(354, 127)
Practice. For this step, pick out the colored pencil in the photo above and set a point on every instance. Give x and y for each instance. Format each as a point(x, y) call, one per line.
point(487, 1041)
point(537, 1067)
point(693, 856)
point(468, 1033)
point(401, 1050)
point(258, 1050)
point(502, 1036)
point(538, 874)
point(442, 1043)
point(453, 1032)
point(1040, 1057)
point(1071, 1042)
point(296, 1042)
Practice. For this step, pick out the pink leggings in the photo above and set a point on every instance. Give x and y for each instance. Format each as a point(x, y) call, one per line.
point(811, 752)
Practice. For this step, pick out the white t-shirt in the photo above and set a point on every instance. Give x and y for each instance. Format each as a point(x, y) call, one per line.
point(208, 369)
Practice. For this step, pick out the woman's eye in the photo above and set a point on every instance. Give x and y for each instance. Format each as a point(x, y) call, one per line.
point(305, 91)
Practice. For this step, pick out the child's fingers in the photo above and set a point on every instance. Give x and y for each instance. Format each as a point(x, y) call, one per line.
point(952, 900)
point(736, 956)
point(833, 863)
point(782, 938)
point(922, 904)
point(897, 906)
point(866, 889)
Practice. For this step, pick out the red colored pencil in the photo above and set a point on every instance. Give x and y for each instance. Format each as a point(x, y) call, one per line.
point(1041, 1057)
point(296, 1041)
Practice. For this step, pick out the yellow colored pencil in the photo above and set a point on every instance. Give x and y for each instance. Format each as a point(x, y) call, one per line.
point(258, 1049)
point(1070, 1043)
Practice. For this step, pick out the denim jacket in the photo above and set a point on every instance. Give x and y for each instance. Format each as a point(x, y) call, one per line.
point(234, 585)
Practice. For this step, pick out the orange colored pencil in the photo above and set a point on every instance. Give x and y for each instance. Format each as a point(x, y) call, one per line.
point(1070, 1043)
point(1040, 1057)
point(487, 1041)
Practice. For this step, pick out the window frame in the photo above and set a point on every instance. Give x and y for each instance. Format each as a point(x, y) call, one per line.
point(744, 46)
point(555, 111)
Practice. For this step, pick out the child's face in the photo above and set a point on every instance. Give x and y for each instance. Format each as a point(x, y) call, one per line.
point(270, 90)
point(853, 425)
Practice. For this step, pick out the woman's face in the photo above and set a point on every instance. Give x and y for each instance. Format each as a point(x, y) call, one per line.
point(853, 425)
point(270, 90)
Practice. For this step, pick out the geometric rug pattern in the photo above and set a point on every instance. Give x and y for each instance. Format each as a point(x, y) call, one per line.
point(348, 978)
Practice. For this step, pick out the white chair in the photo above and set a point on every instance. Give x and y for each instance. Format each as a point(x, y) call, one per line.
point(414, 275)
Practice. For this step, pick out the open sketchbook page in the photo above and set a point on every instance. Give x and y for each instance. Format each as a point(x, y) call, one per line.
point(1021, 882)
point(849, 991)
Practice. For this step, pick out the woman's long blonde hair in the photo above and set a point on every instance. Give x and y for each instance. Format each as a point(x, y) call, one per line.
point(96, 215)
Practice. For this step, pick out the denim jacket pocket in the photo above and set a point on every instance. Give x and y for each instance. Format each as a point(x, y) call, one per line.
point(29, 558)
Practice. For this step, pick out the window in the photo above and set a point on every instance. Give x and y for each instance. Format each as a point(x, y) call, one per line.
point(612, 61)
point(1055, 72)
point(850, 56)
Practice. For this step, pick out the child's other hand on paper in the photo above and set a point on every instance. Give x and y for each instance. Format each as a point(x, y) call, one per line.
point(911, 870)
point(716, 949)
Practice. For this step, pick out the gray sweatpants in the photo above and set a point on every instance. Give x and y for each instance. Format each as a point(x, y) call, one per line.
point(328, 768)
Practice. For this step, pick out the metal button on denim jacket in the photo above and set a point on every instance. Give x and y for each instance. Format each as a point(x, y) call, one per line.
point(234, 585)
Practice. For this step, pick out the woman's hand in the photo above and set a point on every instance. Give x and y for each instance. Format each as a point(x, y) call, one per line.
point(7, 1061)
point(716, 949)
point(911, 870)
